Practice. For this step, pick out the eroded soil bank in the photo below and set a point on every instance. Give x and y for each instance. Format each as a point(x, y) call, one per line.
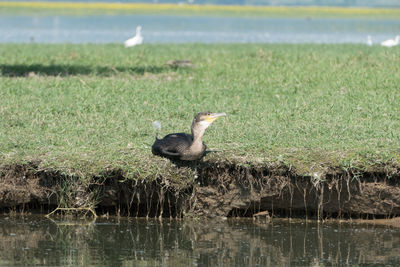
point(220, 189)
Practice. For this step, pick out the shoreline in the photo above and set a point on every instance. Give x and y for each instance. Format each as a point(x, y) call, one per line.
point(221, 190)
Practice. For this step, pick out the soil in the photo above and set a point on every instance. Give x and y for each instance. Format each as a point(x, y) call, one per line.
point(221, 189)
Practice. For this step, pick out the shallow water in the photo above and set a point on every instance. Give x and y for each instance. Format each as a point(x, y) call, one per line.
point(34, 240)
point(193, 29)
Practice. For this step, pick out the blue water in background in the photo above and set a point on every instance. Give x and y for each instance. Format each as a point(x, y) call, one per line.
point(193, 29)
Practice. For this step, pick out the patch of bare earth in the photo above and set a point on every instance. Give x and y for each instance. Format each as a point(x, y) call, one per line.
point(222, 189)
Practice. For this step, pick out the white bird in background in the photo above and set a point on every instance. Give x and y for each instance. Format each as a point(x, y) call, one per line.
point(136, 40)
point(391, 42)
point(369, 40)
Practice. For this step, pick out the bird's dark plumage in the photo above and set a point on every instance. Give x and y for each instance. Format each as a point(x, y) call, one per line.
point(173, 146)
point(182, 146)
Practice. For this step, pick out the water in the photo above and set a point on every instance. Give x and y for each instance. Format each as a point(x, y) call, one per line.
point(139, 242)
point(193, 29)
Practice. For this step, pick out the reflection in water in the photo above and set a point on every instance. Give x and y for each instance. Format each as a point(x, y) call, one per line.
point(189, 29)
point(133, 242)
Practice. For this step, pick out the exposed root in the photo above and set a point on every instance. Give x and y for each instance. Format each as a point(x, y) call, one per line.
point(222, 189)
point(77, 212)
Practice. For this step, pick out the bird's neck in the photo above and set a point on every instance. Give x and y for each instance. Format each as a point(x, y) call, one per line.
point(197, 133)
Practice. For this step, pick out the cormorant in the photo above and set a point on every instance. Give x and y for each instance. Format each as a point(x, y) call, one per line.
point(182, 146)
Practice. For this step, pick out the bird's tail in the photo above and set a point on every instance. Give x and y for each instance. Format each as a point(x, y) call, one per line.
point(157, 126)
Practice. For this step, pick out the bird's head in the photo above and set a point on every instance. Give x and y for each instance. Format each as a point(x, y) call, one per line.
point(204, 119)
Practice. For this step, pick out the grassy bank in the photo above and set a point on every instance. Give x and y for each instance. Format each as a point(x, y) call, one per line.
point(85, 109)
point(52, 8)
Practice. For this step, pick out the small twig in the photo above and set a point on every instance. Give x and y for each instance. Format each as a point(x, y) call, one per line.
point(84, 83)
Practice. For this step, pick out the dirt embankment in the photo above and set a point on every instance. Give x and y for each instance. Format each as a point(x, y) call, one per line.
point(221, 189)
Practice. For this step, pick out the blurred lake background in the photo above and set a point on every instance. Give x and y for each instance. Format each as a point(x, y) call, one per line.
point(194, 27)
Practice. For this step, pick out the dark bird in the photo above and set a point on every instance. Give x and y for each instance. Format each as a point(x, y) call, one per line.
point(182, 146)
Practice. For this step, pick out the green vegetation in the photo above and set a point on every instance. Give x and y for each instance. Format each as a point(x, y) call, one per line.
point(86, 109)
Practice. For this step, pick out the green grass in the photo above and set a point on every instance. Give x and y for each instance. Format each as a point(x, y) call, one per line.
point(85, 109)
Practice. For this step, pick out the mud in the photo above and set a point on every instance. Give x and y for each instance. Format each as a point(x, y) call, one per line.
point(222, 189)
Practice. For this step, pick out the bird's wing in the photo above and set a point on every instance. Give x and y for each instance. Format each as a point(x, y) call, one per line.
point(172, 144)
point(177, 142)
point(169, 153)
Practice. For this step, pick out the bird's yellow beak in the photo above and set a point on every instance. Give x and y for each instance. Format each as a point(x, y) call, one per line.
point(213, 116)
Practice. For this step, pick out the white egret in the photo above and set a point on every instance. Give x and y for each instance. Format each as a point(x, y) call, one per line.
point(391, 42)
point(136, 40)
point(369, 40)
